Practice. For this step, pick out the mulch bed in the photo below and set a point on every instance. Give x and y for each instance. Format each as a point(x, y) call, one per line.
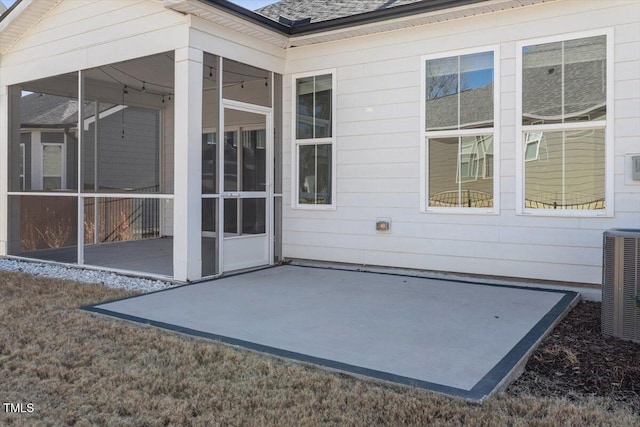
point(575, 361)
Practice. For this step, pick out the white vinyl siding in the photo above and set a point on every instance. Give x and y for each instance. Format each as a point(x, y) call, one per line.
point(378, 151)
point(81, 34)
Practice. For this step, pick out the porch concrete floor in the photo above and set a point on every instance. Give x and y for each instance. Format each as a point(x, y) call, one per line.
point(457, 338)
point(153, 256)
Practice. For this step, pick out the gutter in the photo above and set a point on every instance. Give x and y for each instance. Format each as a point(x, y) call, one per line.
point(8, 11)
point(379, 15)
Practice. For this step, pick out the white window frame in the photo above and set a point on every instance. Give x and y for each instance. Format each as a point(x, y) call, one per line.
point(532, 141)
point(606, 124)
point(63, 164)
point(297, 143)
point(63, 153)
point(494, 131)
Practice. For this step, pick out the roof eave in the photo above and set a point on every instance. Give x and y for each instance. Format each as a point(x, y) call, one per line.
point(19, 18)
point(379, 15)
point(224, 12)
point(338, 23)
point(227, 14)
point(397, 17)
point(243, 13)
point(411, 15)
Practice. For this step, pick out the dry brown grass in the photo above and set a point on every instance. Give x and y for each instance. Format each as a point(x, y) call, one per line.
point(81, 369)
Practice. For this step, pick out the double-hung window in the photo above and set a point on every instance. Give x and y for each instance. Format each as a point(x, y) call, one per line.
point(52, 166)
point(314, 140)
point(460, 94)
point(563, 125)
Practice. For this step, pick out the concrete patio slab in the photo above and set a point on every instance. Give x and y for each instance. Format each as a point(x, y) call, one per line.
point(458, 338)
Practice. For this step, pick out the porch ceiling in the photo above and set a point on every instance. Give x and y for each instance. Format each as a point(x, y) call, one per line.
point(157, 72)
point(106, 83)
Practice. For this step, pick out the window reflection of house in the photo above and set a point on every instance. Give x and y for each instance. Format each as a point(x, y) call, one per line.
point(564, 84)
point(532, 145)
point(459, 120)
point(476, 158)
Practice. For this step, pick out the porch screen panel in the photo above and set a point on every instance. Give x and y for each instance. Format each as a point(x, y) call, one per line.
point(43, 227)
point(245, 83)
point(210, 245)
point(124, 233)
point(43, 143)
point(209, 162)
point(122, 149)
point(254, 173)
point(210, 118)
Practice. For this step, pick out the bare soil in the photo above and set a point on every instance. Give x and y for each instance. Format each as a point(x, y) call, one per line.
point(79, 369)
point(576, 361)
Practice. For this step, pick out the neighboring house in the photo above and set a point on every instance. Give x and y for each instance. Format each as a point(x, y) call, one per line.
point(495, 137)
point(49, 138)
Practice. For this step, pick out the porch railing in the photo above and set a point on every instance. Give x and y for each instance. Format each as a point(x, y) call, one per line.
point(122, 218)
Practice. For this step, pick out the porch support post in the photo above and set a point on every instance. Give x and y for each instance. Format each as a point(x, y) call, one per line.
point(4, 167)
point(10, 125)
point(187, 215)
point(80, 172)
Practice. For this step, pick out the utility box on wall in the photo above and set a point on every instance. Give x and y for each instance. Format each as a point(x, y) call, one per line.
point(635, 168)
point(621, 284)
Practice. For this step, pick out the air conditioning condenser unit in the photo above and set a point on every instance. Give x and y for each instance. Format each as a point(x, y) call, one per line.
point(621, 284)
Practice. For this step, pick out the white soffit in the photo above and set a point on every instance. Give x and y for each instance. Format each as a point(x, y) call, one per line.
point(21, 19)
point(220, 17)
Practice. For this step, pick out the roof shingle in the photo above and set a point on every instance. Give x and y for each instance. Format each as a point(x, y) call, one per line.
point(39, 109)
point(325, 10)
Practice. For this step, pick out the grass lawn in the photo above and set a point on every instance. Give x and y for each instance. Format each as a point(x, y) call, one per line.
point(80, 369)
